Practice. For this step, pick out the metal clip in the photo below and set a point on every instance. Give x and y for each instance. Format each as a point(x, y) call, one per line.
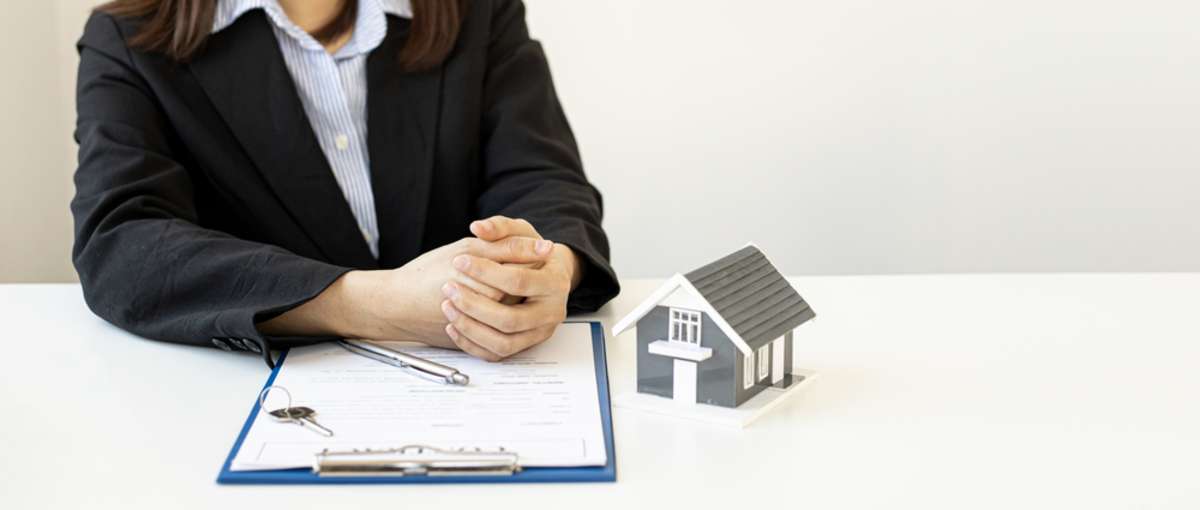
point(415, 460)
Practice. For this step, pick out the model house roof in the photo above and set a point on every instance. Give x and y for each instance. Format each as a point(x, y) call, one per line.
point(751, 295)
point(743, 293)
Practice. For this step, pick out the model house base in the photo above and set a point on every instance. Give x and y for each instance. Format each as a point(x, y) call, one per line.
point(734, 417)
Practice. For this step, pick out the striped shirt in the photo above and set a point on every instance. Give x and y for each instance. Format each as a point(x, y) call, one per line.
point(333, 89)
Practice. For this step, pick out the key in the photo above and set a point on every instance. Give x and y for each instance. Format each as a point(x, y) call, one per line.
point(302, 416)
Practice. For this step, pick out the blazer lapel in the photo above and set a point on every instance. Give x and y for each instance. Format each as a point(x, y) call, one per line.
point(402, 115)
point(243, 73)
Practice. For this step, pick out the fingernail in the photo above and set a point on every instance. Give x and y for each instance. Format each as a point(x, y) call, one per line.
point(449, 311)
point(451, 332)
point(461, 262)
point(543, 246)
point(450, 290)
point(485, 225)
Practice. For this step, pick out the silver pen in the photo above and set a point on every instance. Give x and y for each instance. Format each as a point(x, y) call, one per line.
point(424, 368)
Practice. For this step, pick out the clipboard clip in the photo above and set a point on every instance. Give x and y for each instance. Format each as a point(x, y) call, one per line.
point(415, 460)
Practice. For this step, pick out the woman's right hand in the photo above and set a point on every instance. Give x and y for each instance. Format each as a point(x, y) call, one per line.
point(401, 304)
point(406, 302)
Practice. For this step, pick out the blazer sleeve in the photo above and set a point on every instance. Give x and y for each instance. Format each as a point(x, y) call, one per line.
point(532, 168)
point(144, 263)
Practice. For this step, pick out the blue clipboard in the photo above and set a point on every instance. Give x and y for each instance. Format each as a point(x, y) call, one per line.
point(605, 473)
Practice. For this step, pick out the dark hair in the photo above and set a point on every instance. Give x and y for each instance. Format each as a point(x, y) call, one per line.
point(178, 28)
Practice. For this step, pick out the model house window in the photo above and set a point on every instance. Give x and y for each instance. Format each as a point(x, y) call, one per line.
point(747, 371)
point(685, 326)
point(763, 367)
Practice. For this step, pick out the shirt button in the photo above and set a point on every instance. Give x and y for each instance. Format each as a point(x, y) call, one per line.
point(341, 141)
point(366, 235)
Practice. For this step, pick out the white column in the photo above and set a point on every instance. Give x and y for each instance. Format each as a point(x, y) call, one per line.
point(777, 360)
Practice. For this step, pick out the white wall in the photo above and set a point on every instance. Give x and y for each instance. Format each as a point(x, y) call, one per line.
point(876, 136)
point(843, 137)
point(36, 151)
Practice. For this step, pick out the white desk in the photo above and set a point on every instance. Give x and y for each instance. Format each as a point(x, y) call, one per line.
point(1018, 391)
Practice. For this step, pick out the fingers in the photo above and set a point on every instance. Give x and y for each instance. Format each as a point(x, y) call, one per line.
point(466, 345)
point(512, 280)
point(489, 292)
point(479, 335)
point(519, 250)
point(499, 227)
point(503, 318)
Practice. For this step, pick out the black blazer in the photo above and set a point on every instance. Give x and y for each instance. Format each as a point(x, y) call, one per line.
point(204, 204)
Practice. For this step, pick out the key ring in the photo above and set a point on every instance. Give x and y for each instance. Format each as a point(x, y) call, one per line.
point(262, 397)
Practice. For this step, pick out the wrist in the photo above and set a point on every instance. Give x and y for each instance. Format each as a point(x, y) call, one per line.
point(573, 263)
point(372, 305)
point(356, 311)
point(327, 314)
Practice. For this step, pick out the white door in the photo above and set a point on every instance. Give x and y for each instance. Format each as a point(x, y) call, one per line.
point(685, 381)
point(777, 360)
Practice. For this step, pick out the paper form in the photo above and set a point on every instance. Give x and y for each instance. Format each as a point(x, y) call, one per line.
point(542, 403)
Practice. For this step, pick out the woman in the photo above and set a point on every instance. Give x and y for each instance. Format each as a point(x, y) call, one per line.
point(260, 174)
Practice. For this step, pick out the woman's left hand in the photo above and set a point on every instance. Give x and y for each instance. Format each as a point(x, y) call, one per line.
point(500, 229)
point(491, 330)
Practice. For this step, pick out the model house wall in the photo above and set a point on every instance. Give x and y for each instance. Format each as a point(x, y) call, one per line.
point(742, 393)
point(720, 379)
point(656, 373)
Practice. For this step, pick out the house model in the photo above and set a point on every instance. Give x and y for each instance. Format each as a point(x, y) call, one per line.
point(720, 334)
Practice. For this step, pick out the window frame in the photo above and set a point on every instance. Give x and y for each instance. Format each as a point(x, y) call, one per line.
point(688, 322)
point(764, 365)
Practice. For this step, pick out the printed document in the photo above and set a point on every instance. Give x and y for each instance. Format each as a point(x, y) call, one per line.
point(543, 404)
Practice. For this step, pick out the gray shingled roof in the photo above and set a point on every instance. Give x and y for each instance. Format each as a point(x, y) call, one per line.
point(750, 294)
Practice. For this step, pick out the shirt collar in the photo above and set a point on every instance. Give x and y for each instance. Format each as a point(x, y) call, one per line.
point(370, 27)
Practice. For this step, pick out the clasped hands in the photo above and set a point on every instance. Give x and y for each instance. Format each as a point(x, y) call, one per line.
point(492, 295)
point(508, 288)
